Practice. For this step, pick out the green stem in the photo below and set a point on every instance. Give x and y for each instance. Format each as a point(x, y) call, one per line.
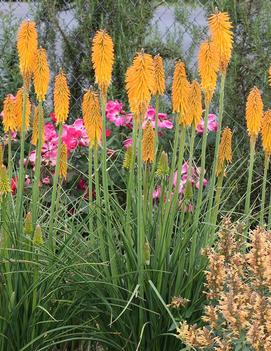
point(98, 205)
point(35, 190)
point(90, 191)
point(112, 253)
point(54, 193)
point(266, 166)
point(250, 174)
point(217, 199)
point(217, 140)
point(21, 179)
point(140, 224)
point(35, 293)
point(156, 125)
point(202, 168)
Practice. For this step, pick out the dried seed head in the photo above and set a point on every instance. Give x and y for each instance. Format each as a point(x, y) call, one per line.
point(4, 181)
point(127, 161)
point(37, 238)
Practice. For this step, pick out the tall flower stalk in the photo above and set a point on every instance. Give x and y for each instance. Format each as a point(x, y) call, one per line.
point(41, 82)
point(61, 105)
point(254, 114)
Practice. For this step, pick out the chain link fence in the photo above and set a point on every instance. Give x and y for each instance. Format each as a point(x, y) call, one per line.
point(172, 28)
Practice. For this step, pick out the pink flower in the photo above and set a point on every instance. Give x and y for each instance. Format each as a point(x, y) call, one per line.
point(128, 142)
point(79, 126)
point(46, 180)
point(107, 133)
point(70, 136)
point(156, 193)
point(49, 132)
point(212, 124)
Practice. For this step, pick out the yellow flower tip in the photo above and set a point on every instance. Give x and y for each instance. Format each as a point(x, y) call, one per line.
point(127, 161)
point(222, 36)
point(148, 143)
point(61, 98)
point(224, 151)
point(9, 118)
point(35, 130)
point(41, 73)
point(4, 181)
point(19, 110)
point(180, 90)
point(195, 103)
point(208, 65)
point(27, 44)
point(159, 76)
point(140, 83)
point(37, 238)
point(63, 163)
point(92, 117)
point(254, 112)
point(103, 59)
point(266, 132)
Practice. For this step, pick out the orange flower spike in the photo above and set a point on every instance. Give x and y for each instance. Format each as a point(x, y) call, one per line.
point(159, 76)
point(224, 151)
point(35, 130)
point(9, 117)
point(19, 110)
point(61, 98)
point(92, 117)
point(27, 44)
point(103, 59)
point(148, 143)
point(266, 132)
point(222, 36)
point(195, 102)
point(254, 112)
point(140, 83)
point(208, 65)
point(63, 163)
point(180, 89)
point(41, 74)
